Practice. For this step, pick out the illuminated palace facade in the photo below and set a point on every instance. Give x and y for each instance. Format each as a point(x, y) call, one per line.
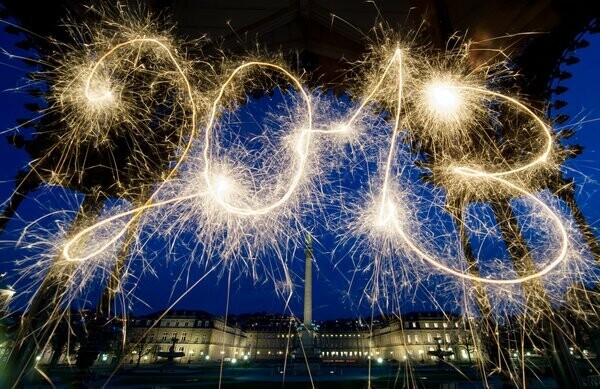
point(203, 337)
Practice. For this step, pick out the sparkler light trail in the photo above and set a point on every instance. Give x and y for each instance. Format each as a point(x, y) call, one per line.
point(302, 147)
point(243, 201)
point(97, 97)
point(216, 189)
point(444, 102)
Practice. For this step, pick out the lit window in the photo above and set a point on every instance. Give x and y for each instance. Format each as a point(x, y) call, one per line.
point(426, 325)
point(435, 325)
point(445, 325)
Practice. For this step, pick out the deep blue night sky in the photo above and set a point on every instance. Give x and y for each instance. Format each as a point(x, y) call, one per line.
point(330, 289)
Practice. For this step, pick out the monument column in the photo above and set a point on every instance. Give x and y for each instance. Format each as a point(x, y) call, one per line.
point(308, 349)
point(308, 257)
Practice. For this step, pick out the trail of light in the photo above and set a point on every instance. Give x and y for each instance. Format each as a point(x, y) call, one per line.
point(45, 376)
point(216, 192)
point(387, 214)
point(137, 211)
point(559, 258)
point(385, 204)
point(466, 171)
point(387, 208)
point(302, 149)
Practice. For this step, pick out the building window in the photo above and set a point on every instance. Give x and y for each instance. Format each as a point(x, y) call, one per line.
point(429, 338)
point(435, 325)
point(181, 349)
point(409, 338)
point(184, 336)
point(203, 338)
point(447, 338)
point(151, 338)
point(445, 325)
point(176, 324)
point(426, 325)
point(174, 335)
point(164, 337)
point(414, 324)
point(416, 338)
point(186, 324)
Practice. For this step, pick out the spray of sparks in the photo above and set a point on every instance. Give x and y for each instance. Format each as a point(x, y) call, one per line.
point(244, 203)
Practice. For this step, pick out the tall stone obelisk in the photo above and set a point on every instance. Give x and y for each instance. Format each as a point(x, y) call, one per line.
point(309, 349)
point(308, 258)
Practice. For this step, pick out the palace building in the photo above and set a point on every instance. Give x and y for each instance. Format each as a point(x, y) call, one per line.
point(198, 334)
point(203, 337)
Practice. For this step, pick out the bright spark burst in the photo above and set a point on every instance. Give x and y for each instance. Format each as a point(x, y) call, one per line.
point(443, 100)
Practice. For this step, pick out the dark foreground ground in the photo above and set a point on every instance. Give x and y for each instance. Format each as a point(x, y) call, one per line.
point(296, 376)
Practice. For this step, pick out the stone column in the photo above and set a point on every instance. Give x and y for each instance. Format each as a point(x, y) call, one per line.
point(308, 257)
